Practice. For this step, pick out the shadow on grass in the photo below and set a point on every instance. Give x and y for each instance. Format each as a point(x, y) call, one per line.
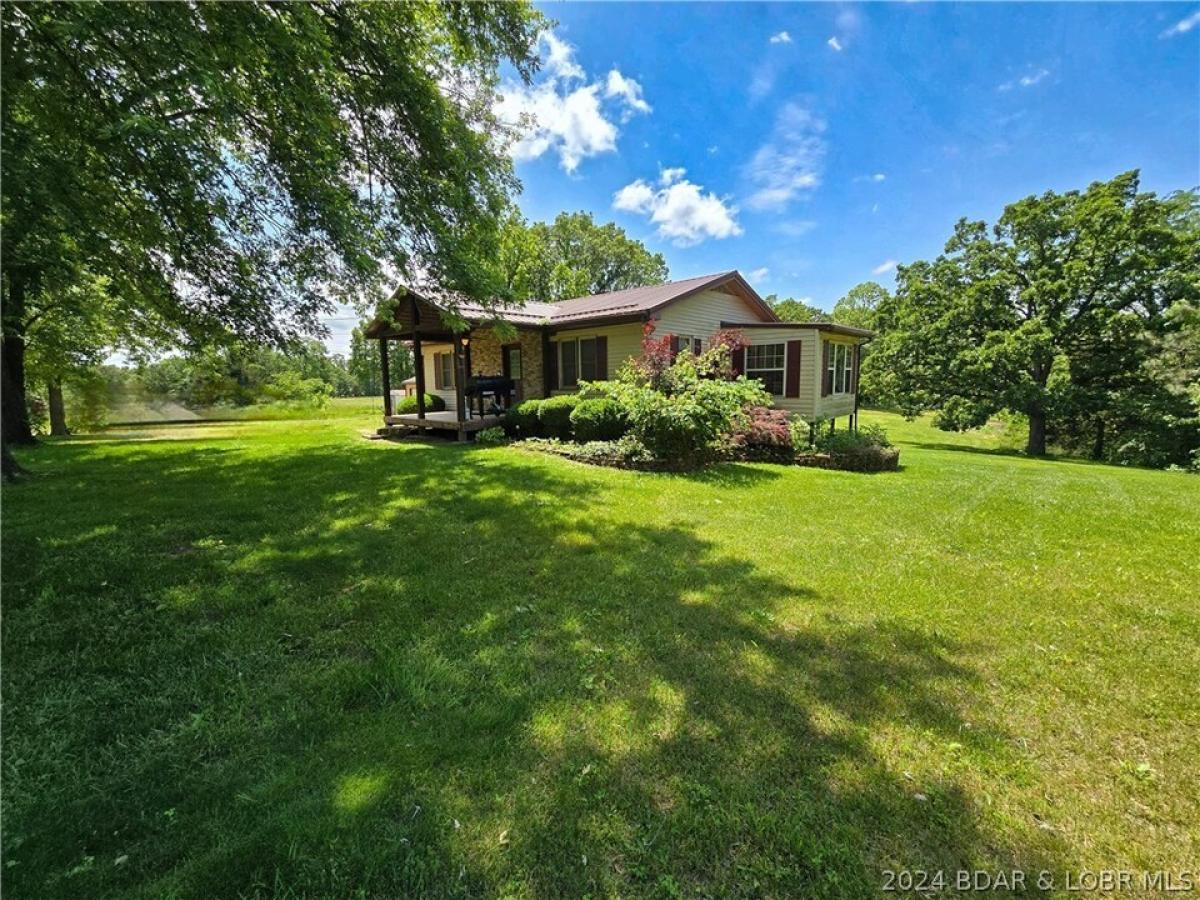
point(426, 670)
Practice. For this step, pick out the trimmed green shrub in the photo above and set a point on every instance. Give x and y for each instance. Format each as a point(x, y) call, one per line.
point(490, 437)
point(846, 440)
point(433, 403)
point(600, 419)
point(522, 420)
point(555, 415)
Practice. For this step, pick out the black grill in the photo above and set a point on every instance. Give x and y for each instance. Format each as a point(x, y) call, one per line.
point(499, 387)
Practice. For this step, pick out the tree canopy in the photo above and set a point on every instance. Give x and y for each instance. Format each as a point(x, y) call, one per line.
point(792, 310)
point(858, 308)
point(1054, 312)
point(572, 257)
point(232, 168)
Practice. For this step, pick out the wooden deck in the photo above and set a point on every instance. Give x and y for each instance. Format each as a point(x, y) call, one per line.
point(446, 420)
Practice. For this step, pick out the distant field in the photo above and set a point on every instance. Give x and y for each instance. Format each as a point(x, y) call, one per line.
point(150, 413)
point(276, 659)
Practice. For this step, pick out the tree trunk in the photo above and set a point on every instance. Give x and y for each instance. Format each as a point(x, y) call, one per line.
point(1037, 433)
point(1098, 444)
point(9, 468)
point(14, 416)
point(58, 412)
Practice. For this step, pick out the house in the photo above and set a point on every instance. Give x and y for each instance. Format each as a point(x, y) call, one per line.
point(811, 368)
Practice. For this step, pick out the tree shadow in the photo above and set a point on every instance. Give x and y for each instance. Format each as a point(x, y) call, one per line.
point(432, 671)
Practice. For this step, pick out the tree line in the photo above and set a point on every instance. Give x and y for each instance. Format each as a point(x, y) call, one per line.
point(208, 178)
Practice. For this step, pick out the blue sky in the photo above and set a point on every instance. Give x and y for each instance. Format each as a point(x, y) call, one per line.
point(812, 146)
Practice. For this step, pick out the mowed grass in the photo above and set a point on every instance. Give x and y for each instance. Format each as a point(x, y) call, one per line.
point(276, 659)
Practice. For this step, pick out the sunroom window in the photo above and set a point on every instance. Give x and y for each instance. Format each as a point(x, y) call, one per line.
point(765, 362)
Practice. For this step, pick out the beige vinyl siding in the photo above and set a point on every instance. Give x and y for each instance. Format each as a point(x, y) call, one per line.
point(449, 395)
point(810, 363)
point(834, 405)
point(702, 314)
point(624, 342)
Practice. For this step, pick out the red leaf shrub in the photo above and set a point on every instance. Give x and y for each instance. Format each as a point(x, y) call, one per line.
point(656, 359)
point(766, 436)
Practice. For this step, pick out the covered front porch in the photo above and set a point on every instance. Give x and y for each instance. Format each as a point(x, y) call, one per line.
point(442, 420)
point(454, 365)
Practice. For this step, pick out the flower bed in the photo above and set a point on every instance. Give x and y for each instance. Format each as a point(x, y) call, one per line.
point(667, 412)
point(873, 459)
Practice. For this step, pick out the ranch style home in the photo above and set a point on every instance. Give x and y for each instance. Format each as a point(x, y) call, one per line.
point(810, 368)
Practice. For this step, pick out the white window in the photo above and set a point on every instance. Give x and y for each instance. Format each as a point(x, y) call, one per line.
point(765, 362)
point(841, 368)
point(690, 342)
point(443, 371)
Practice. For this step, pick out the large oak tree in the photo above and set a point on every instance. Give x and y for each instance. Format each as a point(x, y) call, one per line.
point(233, 168)
point(1047, 309)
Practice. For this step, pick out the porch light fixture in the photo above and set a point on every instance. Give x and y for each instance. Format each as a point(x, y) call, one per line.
point(465, 340)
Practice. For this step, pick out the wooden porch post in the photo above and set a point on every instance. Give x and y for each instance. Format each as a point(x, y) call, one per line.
point(549, 367)
point(418, 359)
point(387, 378)
point(460, 410)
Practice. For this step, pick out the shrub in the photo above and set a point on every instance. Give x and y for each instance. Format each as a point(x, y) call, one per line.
point(490, 437)
point(289, 387)
point(522, 420)
point(555, 415)
point(599, 419)
point(870, 458)
point(865, 450)
point(433, 403)
point(846, 441)
point(765, 436)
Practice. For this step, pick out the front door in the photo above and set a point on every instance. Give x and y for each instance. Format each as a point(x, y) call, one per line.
point(512, 369)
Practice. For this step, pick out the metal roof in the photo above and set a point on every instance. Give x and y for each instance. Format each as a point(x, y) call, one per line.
point(632, 302)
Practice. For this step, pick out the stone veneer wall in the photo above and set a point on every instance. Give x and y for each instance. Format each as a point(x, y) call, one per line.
point(485, 358)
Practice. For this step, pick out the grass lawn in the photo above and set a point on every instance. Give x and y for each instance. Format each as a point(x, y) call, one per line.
point(275, 659)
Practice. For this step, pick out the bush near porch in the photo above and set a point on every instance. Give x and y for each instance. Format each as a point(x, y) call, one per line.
point(407, 405)
point(680, 411)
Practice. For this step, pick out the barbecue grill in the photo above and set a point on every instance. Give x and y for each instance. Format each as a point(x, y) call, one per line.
point(500, 388)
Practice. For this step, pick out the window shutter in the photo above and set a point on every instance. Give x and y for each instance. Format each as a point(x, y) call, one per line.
point(826, 377)
point(551, 363)
point(792, 371)
point(601, 357)
point(739, 361)
point(674, 346)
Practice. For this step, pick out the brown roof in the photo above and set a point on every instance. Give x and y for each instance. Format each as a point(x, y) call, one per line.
point(633, 303)
point(831, 327)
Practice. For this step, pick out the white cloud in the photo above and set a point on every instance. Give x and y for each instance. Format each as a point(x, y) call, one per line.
point(1027, 80)
point(835, 44)
point(884, 267)
point(758, 275)
point(628, 90)
point(560, 56)
point(781, 38)
point(876, 177)
point(712, 151)
point(790, 162)
point(563, 115)
point(684, 214)
point(1183, 26)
